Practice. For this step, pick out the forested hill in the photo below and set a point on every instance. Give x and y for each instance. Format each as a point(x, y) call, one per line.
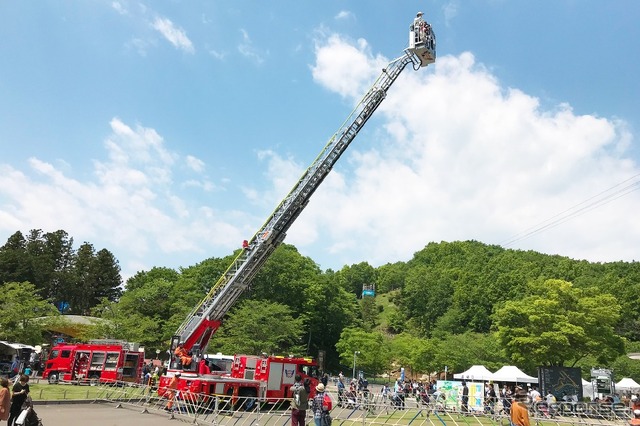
point(454, 304)
point(455, 287)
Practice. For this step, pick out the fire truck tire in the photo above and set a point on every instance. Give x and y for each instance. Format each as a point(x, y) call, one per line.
point(94, 379)
point(53, 378)
point(247, 400)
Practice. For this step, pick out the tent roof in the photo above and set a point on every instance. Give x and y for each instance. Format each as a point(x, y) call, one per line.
point(627, 383)
point(16, 346)
point(476, 372)
point(511, 373)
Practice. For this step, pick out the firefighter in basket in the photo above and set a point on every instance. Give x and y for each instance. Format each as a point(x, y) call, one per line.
point(183, 355)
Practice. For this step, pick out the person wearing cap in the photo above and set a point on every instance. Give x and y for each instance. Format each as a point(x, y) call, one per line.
point(321, 405)
point(519, 409)
point(635, 419)
point(172, 389)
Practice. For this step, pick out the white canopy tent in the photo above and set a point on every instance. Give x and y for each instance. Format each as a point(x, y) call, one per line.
point(627, 384)
point(587, 389)
point(475, 373)
point(511, 373)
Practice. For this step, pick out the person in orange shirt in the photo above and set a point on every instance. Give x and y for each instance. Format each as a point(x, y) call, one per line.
point(519, 410)
point(635, 419)
point(5, 398)
point(172, 390)
point(181, 352)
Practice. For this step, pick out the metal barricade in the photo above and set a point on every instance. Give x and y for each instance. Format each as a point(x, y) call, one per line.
point(371, 409)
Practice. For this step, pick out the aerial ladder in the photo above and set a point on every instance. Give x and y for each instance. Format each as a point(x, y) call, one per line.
point(206, 317)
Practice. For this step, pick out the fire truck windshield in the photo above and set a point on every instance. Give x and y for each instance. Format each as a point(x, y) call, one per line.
point(219, 362)
point(56, 352)
point(309, 370)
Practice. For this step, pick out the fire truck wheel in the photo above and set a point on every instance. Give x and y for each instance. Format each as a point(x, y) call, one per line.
point(246, 400)
point(53, 378)
point(94, 379)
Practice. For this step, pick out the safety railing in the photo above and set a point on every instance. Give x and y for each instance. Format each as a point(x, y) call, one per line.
point(370, 409)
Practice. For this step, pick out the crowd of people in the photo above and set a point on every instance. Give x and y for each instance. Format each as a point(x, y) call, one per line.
point(357, 392)
point(511, 400)
point(13, 401)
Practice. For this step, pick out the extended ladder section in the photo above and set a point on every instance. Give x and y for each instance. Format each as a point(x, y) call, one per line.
point(202, 322)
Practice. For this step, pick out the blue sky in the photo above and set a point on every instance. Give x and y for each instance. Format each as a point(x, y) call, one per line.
point(167, 131)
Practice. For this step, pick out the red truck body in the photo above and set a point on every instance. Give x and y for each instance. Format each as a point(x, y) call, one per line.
point(267, 379)
point(94, 362)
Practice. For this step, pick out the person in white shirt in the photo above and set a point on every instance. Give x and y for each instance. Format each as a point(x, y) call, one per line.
point(535, 395)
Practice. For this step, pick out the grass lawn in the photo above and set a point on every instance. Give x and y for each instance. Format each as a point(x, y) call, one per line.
point(47, 392)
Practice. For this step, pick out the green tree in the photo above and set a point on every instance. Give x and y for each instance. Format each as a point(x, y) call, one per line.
point(559, 324)
point(107, 278)
point(373, 357)
point(284, 278)
point(151, 309)
point(391, 277)
point(207, 272)
point(406, 351)
point(426, 296)
point(460, 351)
point(120, 323)
point(22, 309)
point(369, 312)
point(142, 278)
point(15, 265)
point(81, 294)
point(353, 278)
point(329, 309)
point(255, 327)
point(51, 255)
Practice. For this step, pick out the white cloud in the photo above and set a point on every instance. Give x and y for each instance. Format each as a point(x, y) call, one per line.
point(119, 7)
point(139, 45)
point(463, 157)
point(344, 68)
point(248, 49)
point(195, 164)
point(450, 10)
point(344, 14)
point(132, 206)
point(216, 54)
point(175, 35)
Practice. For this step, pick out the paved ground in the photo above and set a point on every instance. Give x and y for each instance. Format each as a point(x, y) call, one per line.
point(102, 414)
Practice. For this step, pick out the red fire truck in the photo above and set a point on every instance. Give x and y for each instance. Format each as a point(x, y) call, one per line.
point(100, 361)
point(270, 377)
point(267, 378)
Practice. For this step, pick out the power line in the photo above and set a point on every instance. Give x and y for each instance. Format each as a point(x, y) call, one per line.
point(598, 200)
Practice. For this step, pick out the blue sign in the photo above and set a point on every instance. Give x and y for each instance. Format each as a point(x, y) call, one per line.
point(63, 307)
point(368, 293)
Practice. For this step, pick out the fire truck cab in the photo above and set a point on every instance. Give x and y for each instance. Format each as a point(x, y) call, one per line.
point(99, 361)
